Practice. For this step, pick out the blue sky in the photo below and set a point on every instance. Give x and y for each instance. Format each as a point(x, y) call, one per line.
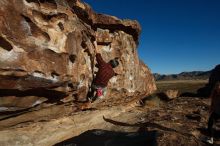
point(177, 35)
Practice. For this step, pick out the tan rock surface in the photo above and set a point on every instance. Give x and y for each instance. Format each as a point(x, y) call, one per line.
point(47, 61)
point(49, 47)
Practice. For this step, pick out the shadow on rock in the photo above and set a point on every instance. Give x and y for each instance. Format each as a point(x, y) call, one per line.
point(98, 137)
point(53, 96)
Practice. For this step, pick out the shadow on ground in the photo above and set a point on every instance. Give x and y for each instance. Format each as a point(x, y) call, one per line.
point(97, 137)
point(216, 132)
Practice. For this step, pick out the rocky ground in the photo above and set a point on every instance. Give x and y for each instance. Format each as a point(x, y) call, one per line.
point(181, 121)
point(178, 122)
point(118, 122)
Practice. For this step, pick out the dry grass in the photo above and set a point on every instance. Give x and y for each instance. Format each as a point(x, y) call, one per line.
point(184, 86)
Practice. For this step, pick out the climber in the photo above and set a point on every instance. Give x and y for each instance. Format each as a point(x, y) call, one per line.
point(214, 111)
point(104, 74)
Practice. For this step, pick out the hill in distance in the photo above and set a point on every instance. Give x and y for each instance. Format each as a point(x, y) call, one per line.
point(193, 75)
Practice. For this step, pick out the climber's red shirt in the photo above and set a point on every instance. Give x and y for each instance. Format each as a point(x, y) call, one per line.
point(105, 72)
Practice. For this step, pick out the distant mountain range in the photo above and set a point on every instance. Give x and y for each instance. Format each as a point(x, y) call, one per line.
point(194, 75)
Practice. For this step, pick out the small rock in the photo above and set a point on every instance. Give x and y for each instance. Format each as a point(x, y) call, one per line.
point(169, 94)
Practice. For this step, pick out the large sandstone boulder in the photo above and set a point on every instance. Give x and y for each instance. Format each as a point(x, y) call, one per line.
point(47, 53)
point(47, 64)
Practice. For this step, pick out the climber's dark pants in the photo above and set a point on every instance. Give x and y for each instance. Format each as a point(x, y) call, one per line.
point(212, 119)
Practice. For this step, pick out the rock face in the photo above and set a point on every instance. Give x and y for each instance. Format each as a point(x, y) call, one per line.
point(214, 77)
point(47, 64)
point(47, 53)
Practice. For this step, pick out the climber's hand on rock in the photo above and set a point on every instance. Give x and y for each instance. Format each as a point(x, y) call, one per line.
point(97, 50)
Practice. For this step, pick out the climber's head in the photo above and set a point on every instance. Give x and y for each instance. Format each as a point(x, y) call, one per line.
point(114, 62)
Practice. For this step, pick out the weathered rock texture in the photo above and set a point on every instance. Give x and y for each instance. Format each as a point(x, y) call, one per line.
point(47, 53)
point(47, 60)
point(47, 64)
